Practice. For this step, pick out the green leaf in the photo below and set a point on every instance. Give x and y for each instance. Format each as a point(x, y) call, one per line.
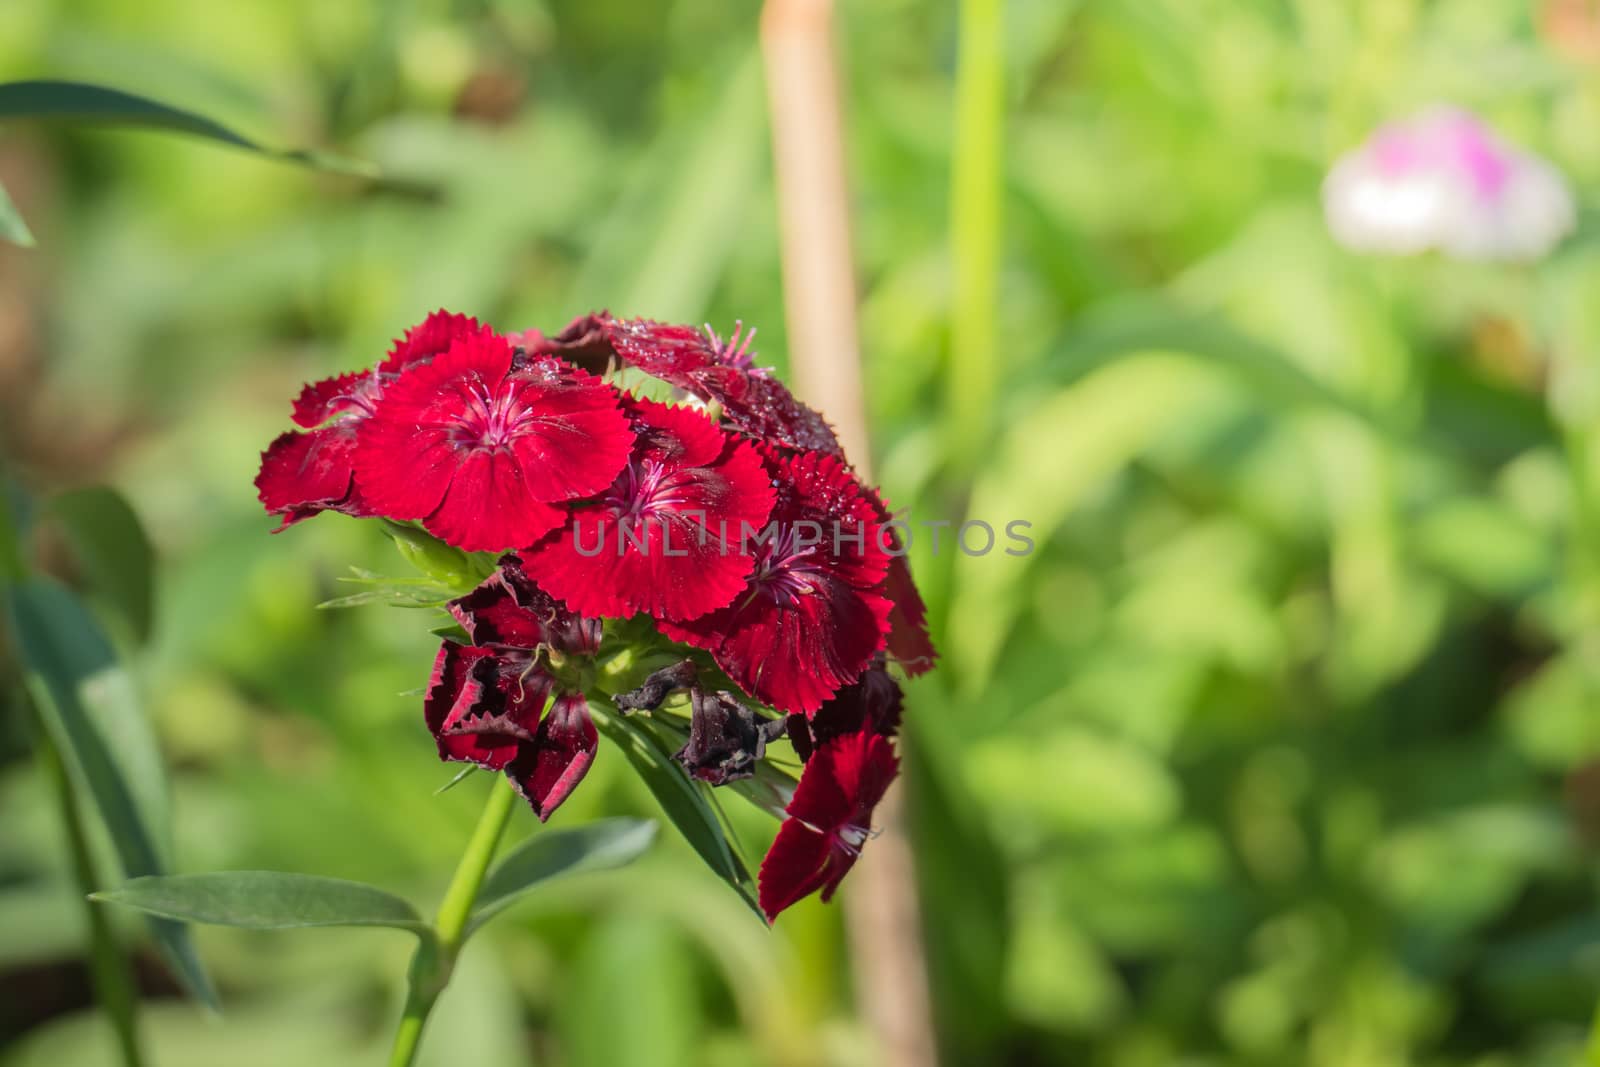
point(81, 103)
point(266, 900)
point(89, 705)
point(13, 227)
point(113, 551)
point(681, 799)
point(599, 846)
point(444, 565)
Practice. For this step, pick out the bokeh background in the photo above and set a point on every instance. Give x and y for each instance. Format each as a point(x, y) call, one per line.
point(1283, 746)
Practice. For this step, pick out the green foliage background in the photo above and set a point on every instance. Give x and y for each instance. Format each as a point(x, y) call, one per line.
point(1281, 749)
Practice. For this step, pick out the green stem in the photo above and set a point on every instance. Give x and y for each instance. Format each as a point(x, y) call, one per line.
point(975, 196)
point(436, 956)
point(109, 969)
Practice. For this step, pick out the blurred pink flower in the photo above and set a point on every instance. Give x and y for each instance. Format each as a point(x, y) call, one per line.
point(1443, 180)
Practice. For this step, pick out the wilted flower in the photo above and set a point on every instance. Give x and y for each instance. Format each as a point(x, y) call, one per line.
point(1444, 181)
point(485, 700)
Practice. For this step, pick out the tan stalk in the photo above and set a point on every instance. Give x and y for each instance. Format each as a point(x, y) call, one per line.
point(824, 356)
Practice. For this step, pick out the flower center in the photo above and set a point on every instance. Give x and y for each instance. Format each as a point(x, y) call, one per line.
point(790, 568)
point(850, 837)
point(645, 490)
point(490, 419)
point(735, 351)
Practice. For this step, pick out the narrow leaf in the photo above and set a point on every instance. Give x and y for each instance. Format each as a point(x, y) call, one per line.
point(89, 705)
point(681, 799)
point(111, 547)
point(96, 105)
point(13, 227)
point(265, 900)
point(599, 846)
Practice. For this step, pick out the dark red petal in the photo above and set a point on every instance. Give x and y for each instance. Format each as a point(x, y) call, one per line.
point(304, 473)
point(844, 781)
point(793, 657)
point(582, 342)
point(488, 507)
point(762, 406)
point(662, 350)
point(909, 641)
point(508, 609)
point(429, 338)
point(910, 645)
point(548, 770)
point(466, 712)
point(873, 703)
point(795, 867)
point(829, 819)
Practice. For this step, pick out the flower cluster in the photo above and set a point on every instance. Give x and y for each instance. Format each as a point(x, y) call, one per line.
point(715, 525)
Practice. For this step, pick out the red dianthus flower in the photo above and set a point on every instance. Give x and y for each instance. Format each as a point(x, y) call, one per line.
point(664, 538)
point(812, 614)
point(304, 473)
point(481, 452)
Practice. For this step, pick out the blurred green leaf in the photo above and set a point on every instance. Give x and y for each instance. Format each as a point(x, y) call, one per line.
point(1101, 422)
point(265, 900)
point(550, 854)
point(13, 227)
point(89, 706)
point(1155, 326)
point(111, 547)
point(663, 1016)
point(80, 103)
point(681, 799)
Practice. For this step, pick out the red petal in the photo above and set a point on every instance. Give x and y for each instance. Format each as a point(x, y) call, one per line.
point(408, 451)
point(830, 816)
point(793, 657)
point(488, 508)
point(794, 645)
point(794, 868)
point(574, 439)
point(304, 473)
point(654, 542)
point(909, 641)
point(547, 771)
point(403, 471)
point(844, 781)
point(431, 337)
point(320, 401)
